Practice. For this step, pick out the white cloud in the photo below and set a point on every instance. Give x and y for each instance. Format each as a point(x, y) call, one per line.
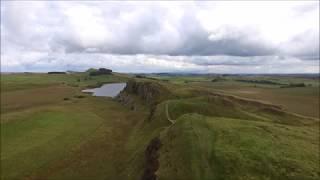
point(160, 63)
point(201, 36)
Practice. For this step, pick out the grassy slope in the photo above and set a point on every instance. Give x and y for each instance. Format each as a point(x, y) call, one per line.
point(35, 140)
point(143, 132)
point(103, 154)
point(277, 146)
point(232, 107)
point(256, 144)
point(199, 147)
point(45, 137)
point(290, 98)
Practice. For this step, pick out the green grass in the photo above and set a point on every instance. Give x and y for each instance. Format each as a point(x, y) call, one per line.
point(85, 139)
point(26, 81)
point(19, 100)
point(213, 135)
point(200, 147)
point(290, 98)
point(43, 135)
point(32, 142)
point(233, 107)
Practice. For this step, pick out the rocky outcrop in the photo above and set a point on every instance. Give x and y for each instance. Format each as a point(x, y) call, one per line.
point(150, 93)
point(126, 99)
point(151, 159)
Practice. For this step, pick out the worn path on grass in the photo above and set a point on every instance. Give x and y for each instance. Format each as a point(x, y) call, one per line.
point(167, 113)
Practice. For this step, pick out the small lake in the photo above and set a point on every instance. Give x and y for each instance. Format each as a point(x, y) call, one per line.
point(108, 90)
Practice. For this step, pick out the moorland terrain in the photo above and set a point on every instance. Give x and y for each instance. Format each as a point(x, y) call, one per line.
point(161, 126)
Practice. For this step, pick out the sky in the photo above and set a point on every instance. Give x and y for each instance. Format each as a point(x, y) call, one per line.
point(145, 37)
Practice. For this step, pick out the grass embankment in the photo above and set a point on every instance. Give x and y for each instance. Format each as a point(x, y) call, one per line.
point(233, 138)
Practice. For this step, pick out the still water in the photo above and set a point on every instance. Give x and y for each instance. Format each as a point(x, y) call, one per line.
point(108, 90)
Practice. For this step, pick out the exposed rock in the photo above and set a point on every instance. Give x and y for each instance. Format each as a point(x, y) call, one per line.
point(125, 98)
point(152, 111)
point(150, 93)
point(151, 157)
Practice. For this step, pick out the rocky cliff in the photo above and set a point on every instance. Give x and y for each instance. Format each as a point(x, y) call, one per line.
point(150, 93)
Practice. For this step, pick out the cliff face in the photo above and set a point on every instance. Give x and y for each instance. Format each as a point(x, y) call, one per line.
point(149, 93)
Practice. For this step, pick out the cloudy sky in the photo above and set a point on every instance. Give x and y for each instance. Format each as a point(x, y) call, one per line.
point(200, 37)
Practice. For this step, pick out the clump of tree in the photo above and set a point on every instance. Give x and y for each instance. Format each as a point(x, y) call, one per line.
point(56, 72)
point(292, 85)
point(140, 76)
point(259, 81)
point(100, 71)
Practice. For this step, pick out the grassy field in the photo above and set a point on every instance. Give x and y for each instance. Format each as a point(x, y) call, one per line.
point(201, 147)
point(289, 98)
point(224, 129)
point(29, 81)
point(43, 135)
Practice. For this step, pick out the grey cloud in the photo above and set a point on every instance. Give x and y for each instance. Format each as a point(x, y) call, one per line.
point(312, 6)
point(141, 37)
point(193, 40)
point(160, 63)
point(146, 33)
point(304, 46)
point(227, 61)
